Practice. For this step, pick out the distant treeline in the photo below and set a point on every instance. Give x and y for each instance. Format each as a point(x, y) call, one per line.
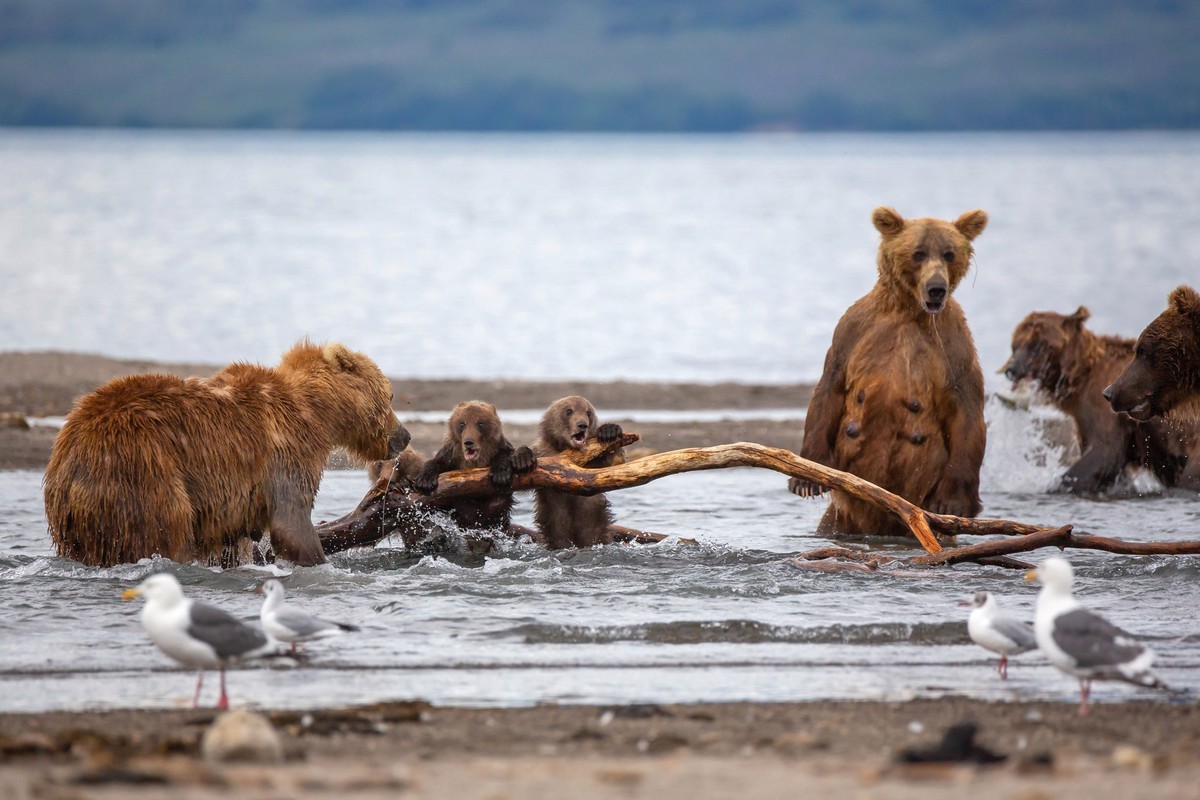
point(609, 65)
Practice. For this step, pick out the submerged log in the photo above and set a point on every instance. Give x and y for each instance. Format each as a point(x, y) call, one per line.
point(386, 507)
point(394, 508)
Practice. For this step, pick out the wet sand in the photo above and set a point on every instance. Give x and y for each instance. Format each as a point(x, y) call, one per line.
point(842, 749)
point(47, 384)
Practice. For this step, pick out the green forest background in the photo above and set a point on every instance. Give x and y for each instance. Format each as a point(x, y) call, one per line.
point(604, 65)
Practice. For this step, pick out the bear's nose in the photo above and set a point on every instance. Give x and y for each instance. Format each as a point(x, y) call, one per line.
point(937, 292)
point(582, 425)
point(1108, 393)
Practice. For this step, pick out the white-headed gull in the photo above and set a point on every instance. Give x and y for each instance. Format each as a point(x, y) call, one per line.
point(1082, 643)
point(193, 633)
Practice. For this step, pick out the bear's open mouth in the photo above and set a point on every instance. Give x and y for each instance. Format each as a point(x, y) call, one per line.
point(933, 306)
point(579, 438)
point(1142, 411)
point(470, 452)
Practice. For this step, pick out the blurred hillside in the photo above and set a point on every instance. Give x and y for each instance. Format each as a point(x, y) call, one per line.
point(602, 65)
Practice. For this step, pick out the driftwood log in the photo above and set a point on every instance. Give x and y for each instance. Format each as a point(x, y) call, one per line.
point(394, 508)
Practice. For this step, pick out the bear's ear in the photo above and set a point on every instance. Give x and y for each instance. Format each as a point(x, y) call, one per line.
point(339, 357)
point(972, 223)
point(1079, 317)
point(887, 221)
point(1186, 302)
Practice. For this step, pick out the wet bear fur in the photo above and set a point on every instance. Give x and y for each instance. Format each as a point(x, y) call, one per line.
point(571, 520)
point(1163, 379)
point(475, 439)
point(1072, 365)
point(900, 400)
point(185, 468)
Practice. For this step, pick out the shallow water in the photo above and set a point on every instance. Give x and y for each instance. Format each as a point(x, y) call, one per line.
point(725, 620)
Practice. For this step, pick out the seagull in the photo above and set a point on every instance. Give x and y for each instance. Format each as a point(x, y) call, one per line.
point(998, 632)
point(292, 624)
point(1082, 643)
point(193, 633)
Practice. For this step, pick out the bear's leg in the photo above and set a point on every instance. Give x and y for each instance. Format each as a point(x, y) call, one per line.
point(293, 536)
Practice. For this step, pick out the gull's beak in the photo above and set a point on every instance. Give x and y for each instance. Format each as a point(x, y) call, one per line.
point(964, 603)
point(259, 590)
point(1031, 576)
point(129, 594)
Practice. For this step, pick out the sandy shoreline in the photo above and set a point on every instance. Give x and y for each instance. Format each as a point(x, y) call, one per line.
point(844, 749)
point(46, 384)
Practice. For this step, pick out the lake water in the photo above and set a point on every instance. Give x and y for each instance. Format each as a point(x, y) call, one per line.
point(539, 256)
point(700, 258)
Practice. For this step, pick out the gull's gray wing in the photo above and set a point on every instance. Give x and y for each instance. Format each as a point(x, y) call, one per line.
point(302, 623)
point(1093, 641)
point(229, 637)
point(1018, 632)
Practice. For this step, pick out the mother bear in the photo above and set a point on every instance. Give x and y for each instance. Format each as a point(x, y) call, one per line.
point(900, 401)
point(184, 468)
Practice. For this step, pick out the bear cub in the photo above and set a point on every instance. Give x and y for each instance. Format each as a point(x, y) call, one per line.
point(475, 439)
point(569, 520)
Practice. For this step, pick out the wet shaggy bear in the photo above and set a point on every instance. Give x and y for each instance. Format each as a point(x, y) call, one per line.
point(570, 520)
point(1072, 366)
point(475, 439)
point(185, 468)
point(900, 400)
point(1164, 377)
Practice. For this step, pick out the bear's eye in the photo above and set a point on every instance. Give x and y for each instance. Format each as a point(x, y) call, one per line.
point(948, 255)
point(462, 426)
point(570, 411)
point(919, 256)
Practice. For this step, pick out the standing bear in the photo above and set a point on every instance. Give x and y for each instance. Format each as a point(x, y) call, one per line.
point(474, 439)
point(1072, 366)
point(900, 401)
point(1163, 379)
point(185, 468)
point(570, 520)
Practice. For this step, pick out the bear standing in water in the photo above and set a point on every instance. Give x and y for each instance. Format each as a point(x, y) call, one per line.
point(1163, 379)
point(900, 401)
point(474, 439)
point(569, 520)
point(1071, 366)
point(186, 468)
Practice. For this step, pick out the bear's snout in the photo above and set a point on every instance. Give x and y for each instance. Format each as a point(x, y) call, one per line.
point(936, 291)
point(398, 441)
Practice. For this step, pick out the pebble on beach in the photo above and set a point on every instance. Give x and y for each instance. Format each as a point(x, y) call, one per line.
point(242, 735)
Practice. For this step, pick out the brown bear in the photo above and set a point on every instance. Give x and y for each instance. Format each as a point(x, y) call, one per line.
point(475, 439)
point(900, 401)
point(1071, 366)
point(1163, 379)
point(569, 520)
point(185, 468)
point(404, 467)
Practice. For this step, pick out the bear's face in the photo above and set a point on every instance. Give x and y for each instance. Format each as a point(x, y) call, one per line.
point(1164, 375)
point(351, 395)
point(1042, 347)
point(926, 258)
point(568, 422)
point(474, 428)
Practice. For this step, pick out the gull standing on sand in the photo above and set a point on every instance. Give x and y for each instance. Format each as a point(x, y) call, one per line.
point(1082, 643)
point(292, 624)
point(996, 631)
point(193, 633)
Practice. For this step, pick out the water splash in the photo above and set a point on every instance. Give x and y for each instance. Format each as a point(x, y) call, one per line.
point(1028, 447)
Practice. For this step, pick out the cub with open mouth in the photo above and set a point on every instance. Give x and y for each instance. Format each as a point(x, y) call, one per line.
point(1163, 379)
point(568, 520)
point(475, 439)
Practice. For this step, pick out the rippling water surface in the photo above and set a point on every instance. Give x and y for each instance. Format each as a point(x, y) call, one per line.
point(729, 619)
